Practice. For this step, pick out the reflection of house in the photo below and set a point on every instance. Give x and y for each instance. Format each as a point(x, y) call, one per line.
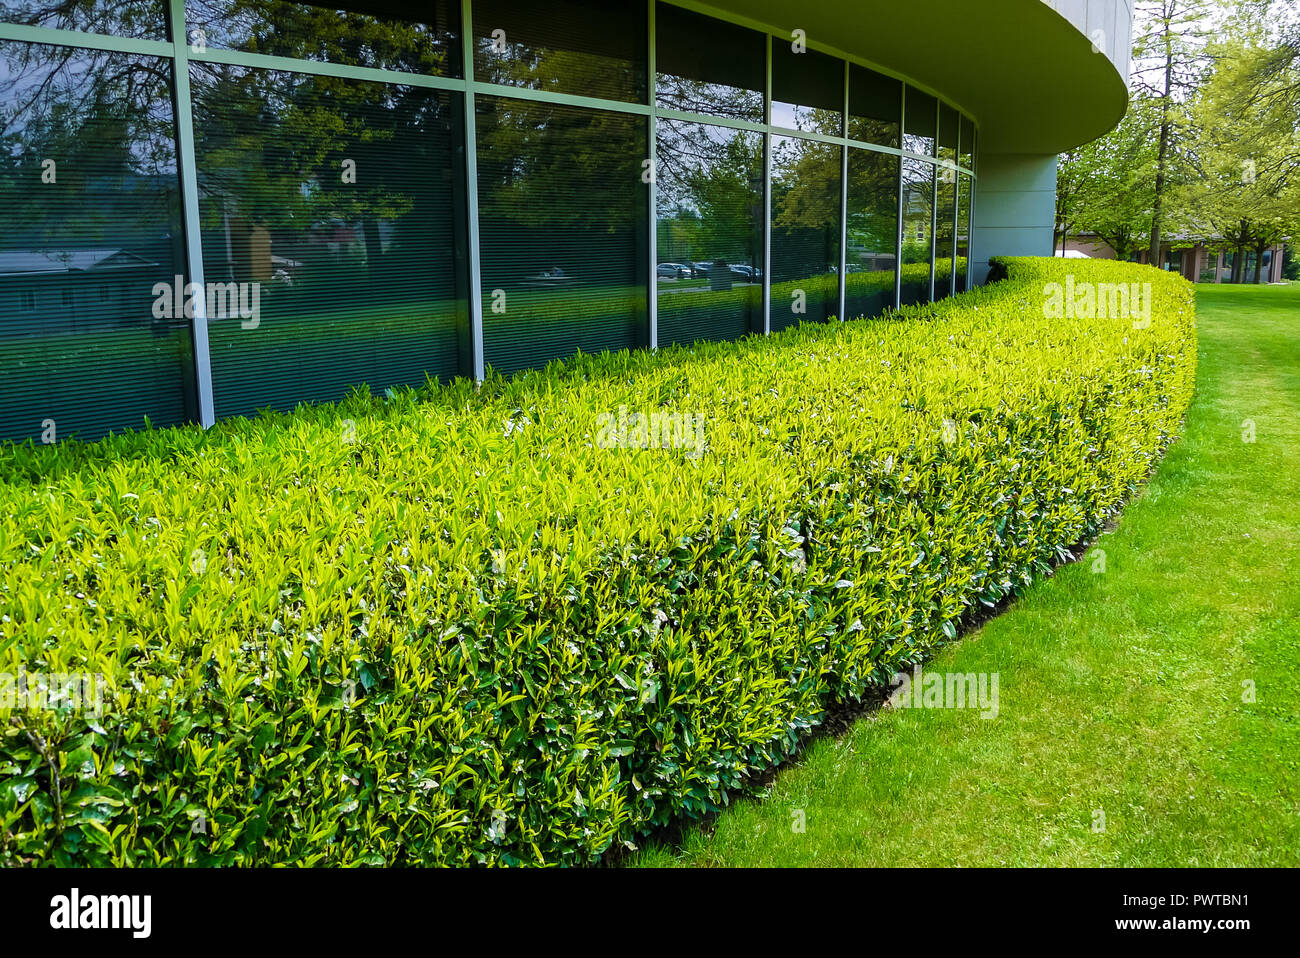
point(1200, 261)
point(73, 289)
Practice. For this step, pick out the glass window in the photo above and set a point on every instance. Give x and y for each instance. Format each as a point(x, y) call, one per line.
point(383, 34)
point(709, 233)
point(918, 214)
point(966, 149)
point(807, 90)
point(875, 107)
point(708, 66)
point(563, 230)
point(922, 118)
point(872, 251)
point(945, 232)
point(138, 19)
point(948, 123)
point(332, 210)
point(963, 231)
point(805, 241)
point(90, 242)
point(596, 48)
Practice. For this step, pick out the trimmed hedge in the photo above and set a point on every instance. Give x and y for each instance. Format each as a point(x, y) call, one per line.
point(451, 627)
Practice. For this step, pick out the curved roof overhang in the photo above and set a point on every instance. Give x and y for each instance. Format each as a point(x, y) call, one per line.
point(1036, 80)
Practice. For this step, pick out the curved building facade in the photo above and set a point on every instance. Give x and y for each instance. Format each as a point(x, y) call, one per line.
point(215, 207)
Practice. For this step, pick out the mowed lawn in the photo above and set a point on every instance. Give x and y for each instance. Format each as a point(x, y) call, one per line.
point(1126, 732)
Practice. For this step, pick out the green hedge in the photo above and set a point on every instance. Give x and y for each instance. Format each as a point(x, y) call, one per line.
point(449, 627)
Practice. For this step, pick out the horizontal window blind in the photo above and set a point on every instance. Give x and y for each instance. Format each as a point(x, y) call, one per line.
point(805, 239)
point(872, 252)
point(563, 230)
point(920, 123)
point(381, 34)
point(709, 232)
point(137, 19)
point(90, 225)
point(875, 107)
point(707, 66)
point(948, 133)
point(918, 230)
point(339, 204)
point(596, 48)
point(807, 89)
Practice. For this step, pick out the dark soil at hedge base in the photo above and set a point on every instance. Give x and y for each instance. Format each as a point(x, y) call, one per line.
point(1059, 420)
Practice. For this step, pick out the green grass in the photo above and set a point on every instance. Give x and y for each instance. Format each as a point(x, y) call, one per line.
point(1120, 691)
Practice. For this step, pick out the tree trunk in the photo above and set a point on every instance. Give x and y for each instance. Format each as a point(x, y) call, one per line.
point(1163, 156)
point(1259, 262)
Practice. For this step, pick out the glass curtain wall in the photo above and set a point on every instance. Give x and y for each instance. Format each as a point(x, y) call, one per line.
point(709, 183)
point(335, 200)
point(963, 232)
point(90, 243)
point(238, 205)
point(918, 231)
point(805, 226)
point(945, 228)
point(871, 227)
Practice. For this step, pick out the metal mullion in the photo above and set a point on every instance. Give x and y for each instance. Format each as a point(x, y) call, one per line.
point(876, 147)
point(809, 135)
point(653, 284)
point(564, 99)
point(844, 201)
point(188, 171)
point(477, 353)
point(85, 41)
point(767, 194)
point(728, 122)
point(263, 61)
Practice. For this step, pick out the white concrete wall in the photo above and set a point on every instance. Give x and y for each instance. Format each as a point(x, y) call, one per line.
point(1015, 208)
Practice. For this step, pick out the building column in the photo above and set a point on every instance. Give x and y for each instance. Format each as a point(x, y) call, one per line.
point(1015, 208)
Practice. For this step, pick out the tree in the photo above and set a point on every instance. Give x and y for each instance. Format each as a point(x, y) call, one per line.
point(1170, 61)
point(1106, 187)
point(1246, 147)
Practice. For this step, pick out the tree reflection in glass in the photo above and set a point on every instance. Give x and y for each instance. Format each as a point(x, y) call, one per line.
point(342, 200)
point(805, 239)
point(563, 228)
point(138, 19)
point(872, 252)
point(708, 66)
point(918, 230)
point(383, 35)
point(943, 237)
point(89, 224)
point(710, 232)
